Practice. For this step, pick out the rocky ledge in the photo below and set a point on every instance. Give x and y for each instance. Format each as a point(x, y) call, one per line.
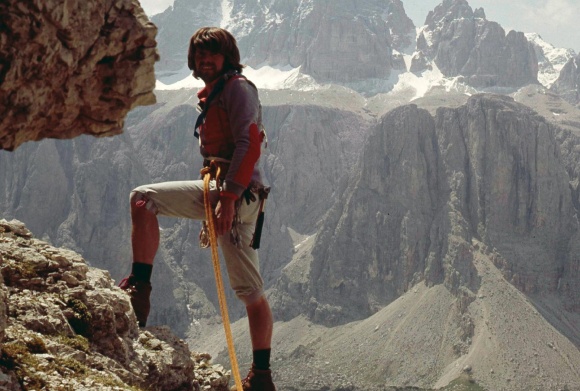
point(72, 67)
point(66, 326)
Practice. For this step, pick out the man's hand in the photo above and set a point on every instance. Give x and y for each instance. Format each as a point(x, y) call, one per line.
point(224, 212)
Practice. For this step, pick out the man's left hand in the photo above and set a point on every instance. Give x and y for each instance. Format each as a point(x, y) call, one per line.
point(224, 213)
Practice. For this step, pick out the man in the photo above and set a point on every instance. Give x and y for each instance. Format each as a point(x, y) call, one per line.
point(230, 139)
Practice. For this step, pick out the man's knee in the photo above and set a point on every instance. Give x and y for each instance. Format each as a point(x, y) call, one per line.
point(141, 202)
point(251, 297)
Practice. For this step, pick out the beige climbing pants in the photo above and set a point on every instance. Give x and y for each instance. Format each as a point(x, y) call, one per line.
point(185, 199)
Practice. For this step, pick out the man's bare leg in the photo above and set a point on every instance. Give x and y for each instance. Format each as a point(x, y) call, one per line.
point(261, 324)
point(145, 241)
point(145, 234)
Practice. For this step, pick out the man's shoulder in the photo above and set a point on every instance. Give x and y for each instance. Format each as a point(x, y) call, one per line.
point(240, 85)
point(240, 80)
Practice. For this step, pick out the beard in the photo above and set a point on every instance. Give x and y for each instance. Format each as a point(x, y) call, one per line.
point(208, 73)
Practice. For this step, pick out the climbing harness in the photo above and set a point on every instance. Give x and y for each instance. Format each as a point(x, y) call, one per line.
point(207, 175)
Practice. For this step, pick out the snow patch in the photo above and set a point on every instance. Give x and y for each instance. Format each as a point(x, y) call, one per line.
point(171, 77)
point(417, 86)
point(552, 61)
point(289, 78)
point(305, 7)
point(264, 77)
point(275, 18)
point(227, 8)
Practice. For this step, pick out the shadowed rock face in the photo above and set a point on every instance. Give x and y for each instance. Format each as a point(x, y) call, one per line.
point(463, 43)
point(71, 68)
point(568, 83)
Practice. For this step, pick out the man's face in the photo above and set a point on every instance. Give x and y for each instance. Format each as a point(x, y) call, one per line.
point(209, 65)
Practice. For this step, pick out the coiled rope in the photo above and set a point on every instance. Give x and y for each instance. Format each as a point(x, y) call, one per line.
point(207, 174)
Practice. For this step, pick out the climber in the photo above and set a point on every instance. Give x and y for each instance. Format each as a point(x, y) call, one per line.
point(230, 142)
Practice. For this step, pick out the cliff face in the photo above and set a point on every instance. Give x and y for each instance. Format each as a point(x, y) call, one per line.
point(71, 68)
point(568, 83)
point(462, 42)
point(66, 325)
point(490, 170)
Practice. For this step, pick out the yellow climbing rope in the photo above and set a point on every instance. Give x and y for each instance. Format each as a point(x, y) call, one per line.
point(206, 172)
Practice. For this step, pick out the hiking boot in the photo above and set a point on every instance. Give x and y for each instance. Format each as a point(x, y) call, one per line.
point(139, 291)
point(257, 380)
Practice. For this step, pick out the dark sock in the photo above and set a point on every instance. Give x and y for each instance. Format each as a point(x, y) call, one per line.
point(262, 359)
point(142, 271)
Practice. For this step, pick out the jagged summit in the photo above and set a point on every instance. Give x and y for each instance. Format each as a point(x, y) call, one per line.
point(462, 43)
point(448, 10)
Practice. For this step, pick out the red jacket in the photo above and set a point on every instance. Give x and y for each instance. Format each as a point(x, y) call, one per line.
point(231, 131)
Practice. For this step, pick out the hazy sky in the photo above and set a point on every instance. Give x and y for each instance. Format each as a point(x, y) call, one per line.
point(555, 20)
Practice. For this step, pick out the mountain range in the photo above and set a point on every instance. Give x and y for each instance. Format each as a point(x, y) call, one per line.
point(423, 225)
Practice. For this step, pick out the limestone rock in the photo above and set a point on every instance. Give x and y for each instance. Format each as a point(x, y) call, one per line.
point(70, 68)
point(69, 327)
point(463, 43)
point(568, 83)
point(489, 170)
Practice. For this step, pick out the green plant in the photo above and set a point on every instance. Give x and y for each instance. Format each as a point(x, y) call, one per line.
point(71, 364)
point(17, 357)
point(36, 345)
point(77, 342)
point(12, 354)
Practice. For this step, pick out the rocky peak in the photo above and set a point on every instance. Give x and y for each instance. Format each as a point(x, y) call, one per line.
point(568, 83)
point(449, 10)
point(479, 13)
point(65, 325)
point(71, 68)
point(402, 27)
point(465, 44)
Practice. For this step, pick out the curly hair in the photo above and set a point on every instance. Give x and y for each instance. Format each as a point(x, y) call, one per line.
point(215, 40)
